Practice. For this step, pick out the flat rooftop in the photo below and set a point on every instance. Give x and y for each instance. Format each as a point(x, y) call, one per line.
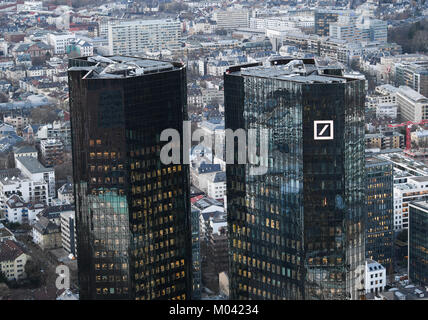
point(412, 94)
point(420, 204)
point(100, 67)
point(420, 179)
point(33, 165)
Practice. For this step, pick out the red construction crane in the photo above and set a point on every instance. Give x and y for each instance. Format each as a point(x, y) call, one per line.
point(408, 125)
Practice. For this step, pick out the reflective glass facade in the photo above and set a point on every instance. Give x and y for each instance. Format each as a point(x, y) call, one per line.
point(196, 256)
point(418, 242)
point(132, 211)
point(380, 212)
point(297, 232)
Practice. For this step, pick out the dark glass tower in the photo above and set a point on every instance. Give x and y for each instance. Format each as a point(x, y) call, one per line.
point(418, 242)
point(297, 232)
point(380, 212)
point(132, 211)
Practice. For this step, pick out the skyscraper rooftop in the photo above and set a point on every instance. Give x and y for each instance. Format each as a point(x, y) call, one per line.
point(306, 71)
point(122, 66)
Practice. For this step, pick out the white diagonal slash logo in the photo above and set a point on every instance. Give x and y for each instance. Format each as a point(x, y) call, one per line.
point(324, 125)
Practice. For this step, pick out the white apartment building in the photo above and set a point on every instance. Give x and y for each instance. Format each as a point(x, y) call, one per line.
point(28, 190)
point(375, 277)
point(262, 23)
point(56, 130)
point(232, 19)
point(413, 106)
point(60, 41)
point(19, 211)
point(216, 186)
point(415, 189)
point(134, 37)
point(35, 171)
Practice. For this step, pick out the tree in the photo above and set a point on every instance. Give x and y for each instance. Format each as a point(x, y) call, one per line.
point(44, 114)
point(3, 278)
point(4, 291)
point(64, 170)
point(3, 98)
point(34, 274)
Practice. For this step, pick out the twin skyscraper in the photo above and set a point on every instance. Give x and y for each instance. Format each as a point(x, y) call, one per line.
point(295, 232)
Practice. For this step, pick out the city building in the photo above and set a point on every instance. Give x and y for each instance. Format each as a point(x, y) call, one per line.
point(60, 41)
point(57, 130)
point(68, 231)
point(66, 193)
point(47, 234)
point(404, 166)
point(415, 189)
point(385, 140)
point(217, 250)
point(216, 185)
point(413, 106)
point(25, 151)
point(323, 19)
point(380, 212)
point(133, 216)
point(18, 122)
point(418, 242)
point(413, 74)
point(136, 37)
point(375, 277)
point(6, 234)
point(80, 48)
point(19, 211)
point(387, 110)
point(232, 19)
point(12, 260)
point(297, 231)
point(35, 171)
point(420, 138)
point(28, 189)
point(52, 152)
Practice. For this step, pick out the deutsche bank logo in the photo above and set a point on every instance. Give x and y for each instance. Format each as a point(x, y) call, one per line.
point(323, 130)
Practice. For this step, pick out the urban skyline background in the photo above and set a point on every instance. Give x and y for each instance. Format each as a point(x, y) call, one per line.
point(90, 87)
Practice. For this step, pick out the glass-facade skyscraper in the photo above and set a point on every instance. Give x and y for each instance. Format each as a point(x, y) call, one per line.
point(297, 232)
point(418, 242)
point(380, 212)
point(132, 211)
